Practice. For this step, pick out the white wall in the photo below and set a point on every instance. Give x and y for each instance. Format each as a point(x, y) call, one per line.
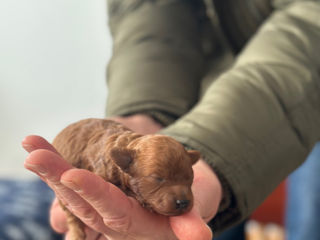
point(53, 57)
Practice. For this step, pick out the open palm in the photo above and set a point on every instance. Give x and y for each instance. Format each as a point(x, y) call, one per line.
point(107, 212)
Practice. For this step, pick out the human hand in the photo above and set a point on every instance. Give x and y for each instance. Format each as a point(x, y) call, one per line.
point(125, 213)
point(139, 123)
point(106, 210)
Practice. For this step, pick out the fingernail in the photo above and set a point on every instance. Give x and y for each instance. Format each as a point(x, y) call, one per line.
point(28, 147)
point(36, 168)
point(71, 185)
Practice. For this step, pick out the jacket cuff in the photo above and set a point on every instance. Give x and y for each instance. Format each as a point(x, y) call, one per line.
point(162, 112)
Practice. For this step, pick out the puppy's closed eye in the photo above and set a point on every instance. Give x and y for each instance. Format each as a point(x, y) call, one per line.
point(159, 179)
point(155, 178)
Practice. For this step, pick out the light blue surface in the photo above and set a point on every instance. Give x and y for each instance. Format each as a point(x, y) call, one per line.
point(302, 220)
point(25, 211)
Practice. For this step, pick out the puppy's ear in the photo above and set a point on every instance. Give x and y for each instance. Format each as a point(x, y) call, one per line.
point(194, 156)
point(122, 157)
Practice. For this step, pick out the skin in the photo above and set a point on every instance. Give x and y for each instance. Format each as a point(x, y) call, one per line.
point(107, 212)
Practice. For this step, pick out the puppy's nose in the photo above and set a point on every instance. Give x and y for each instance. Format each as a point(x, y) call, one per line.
point(182, 204)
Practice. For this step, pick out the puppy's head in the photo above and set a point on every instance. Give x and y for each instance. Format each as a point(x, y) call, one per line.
point(160, 173)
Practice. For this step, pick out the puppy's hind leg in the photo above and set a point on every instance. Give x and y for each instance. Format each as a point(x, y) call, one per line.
point(75, 226)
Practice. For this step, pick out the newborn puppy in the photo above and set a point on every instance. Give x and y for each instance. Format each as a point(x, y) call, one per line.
point(154, 169)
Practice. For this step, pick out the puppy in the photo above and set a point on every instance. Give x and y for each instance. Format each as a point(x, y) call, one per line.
point(154, 169)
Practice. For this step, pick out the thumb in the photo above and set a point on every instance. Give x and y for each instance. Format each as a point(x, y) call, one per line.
point(190, 226)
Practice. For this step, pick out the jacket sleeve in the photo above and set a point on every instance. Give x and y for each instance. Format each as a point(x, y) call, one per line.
point(257, 122)
point(157, 58)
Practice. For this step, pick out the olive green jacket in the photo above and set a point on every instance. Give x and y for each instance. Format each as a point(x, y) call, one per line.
point(254, 117)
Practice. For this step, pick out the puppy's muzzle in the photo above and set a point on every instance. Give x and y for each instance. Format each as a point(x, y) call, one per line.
point(173, 200)
point(182, 204)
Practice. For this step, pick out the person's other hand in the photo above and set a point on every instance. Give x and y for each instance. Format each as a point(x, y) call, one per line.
point(140, 123)
point(107, 211)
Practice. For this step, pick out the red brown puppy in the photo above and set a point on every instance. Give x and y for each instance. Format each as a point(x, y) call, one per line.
point(154, 169)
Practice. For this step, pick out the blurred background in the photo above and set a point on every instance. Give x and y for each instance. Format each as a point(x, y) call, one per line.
point(53, 58)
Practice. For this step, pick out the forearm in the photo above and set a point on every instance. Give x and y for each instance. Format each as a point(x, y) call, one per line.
point(157, 49)
point(262, 116)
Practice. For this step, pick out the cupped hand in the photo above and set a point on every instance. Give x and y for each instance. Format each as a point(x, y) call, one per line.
point(107, 212)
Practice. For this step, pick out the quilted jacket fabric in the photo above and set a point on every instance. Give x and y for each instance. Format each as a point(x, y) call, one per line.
point(254, 116)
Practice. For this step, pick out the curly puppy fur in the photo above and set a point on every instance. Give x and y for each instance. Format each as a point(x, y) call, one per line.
point(154, 169)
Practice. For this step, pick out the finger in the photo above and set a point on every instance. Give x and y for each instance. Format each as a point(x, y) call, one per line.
point(190, 226)
point(122, 214)
point(51, 166)
point(90, 235)
point(47, 164)
point(93, 235)
point(33, 142)
point(82, 182)
point(102, 194)
point(58, 217)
